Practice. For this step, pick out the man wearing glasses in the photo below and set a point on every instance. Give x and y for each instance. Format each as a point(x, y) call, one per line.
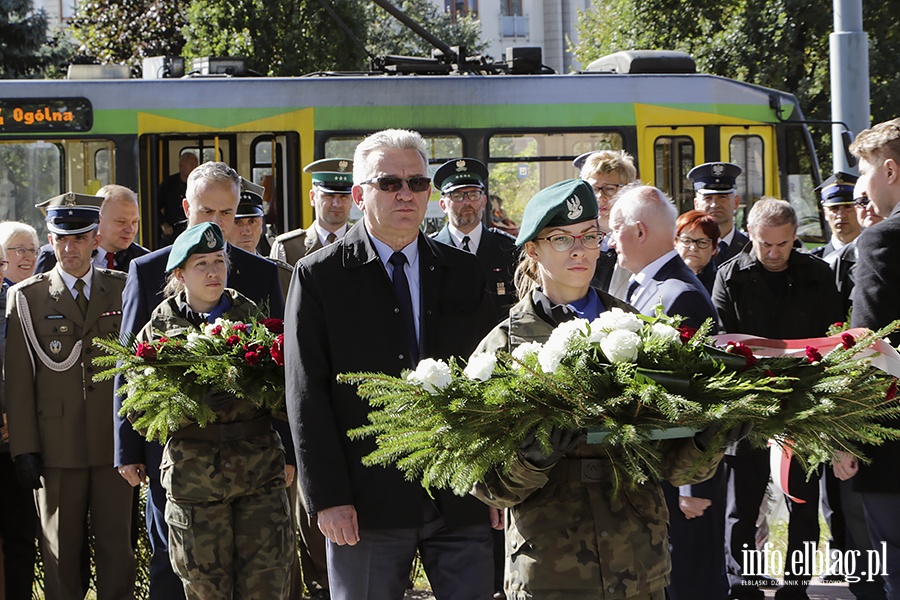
point(715, 187)
point(462, 183)
point(379, 300)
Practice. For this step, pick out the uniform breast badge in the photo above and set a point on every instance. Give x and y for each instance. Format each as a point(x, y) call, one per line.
point(55, 346)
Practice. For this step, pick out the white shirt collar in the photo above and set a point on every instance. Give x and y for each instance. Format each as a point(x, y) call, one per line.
point(728, 238)
point(650, 271)
point(100, 257)
point(323, 233)
point(474, 237)
point(69, 280)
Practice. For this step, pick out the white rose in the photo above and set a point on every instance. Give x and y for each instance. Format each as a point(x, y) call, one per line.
point(431, 374)
point(481, 366)
point(621, 346)
point(550, 356)
point(193, 336)
point(525, 350)
point(149, 371)
point(661, 331)
point(597, 333)
point(617, 318)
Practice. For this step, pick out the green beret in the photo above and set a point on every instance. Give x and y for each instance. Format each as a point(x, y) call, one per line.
point(564, 203)
point(199, 239)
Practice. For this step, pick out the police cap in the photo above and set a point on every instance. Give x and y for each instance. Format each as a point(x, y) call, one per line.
point(251, 203)
point(332, 175)
point(459, 173)
point(837, 189)
point(564, 203)
point(715, 178)
point(71, 213)
point(202, 238)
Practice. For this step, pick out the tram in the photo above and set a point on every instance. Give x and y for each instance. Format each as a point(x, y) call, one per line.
point(79, 135)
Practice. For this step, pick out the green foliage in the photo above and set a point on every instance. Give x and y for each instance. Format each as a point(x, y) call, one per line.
point(387, 35)
point(25, 50)
point(447, 427)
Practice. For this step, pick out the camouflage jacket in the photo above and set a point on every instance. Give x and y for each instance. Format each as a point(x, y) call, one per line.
point(570, 539)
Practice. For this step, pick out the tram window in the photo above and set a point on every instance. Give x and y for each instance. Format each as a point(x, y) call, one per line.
point(522, 164)
point(748, 152)
point(673, 158)
point(103, 165)
point(30, 172)
point(801, 182)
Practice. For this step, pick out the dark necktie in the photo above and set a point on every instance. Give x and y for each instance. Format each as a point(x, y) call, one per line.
point(401, 291)
point(110, 260)
point(330, 238)
point(465, 244)
point(631, 288)
point(81, 300)
point(723, 247)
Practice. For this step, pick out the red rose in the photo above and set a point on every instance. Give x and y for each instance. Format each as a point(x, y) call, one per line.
point(145, 351)
point(769, 373)
point(847, 340)
point(231, 340)
point(892, 391)
point(837, 325)
point(252, 347)
point(217, 330)
point(686, 333)
point(274, 325)
point(251, 357)
point(242, 327)
point(277, 350)
point(163, 340)
point(813, 354)
point(743, 350)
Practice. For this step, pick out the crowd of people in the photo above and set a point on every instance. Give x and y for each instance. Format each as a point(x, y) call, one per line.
point(226, 500)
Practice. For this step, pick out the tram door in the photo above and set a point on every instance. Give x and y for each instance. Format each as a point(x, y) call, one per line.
point(667, 155)
point(752, 148)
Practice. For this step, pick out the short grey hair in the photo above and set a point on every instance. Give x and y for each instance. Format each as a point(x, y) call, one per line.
point(771, 212)
point(398, 139)
point(646, 203)
point(10, 229)
point(212, 172)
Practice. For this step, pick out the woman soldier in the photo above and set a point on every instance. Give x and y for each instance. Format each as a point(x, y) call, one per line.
point(230, 534)
point(567, 535)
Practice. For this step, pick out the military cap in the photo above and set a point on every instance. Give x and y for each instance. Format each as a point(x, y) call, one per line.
point(202, 238)
point(579, 161)
point(71, 213)
point(715, 178)
point(564, 203)
point(332, 175)
point(837, 189)
point(251, 202)
point(459, 173)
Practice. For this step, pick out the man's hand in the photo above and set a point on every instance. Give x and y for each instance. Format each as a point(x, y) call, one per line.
point(339, 524)
point(693, 507)
point(289, 472)
point(496, 515)
point(845, 465)
point(29, 469)
point(135, 475)
point(4, 430)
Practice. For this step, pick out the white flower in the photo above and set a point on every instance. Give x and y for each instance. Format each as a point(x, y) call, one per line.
point(661, 331)
point(481, 366)
point(431, 374)
point(621, 346)
point(525, 350)
point(597, 333)
point(550, 356)
point(208, 328)
point(557, 345)
point(149, 371)
point(615, 319)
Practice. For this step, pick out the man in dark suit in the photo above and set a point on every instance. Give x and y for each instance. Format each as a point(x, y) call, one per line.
point(837, 200)
point(643, 234)
point(462, 182)
point(120, 217)
point(876, 303)
point(413, 298)
point(332, 179)
point(715, 192)
point(212, 195)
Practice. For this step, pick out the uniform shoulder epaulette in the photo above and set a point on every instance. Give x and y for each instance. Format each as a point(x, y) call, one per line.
point(502, 233)
point(113, 273)
point(281, 264)
point(27, 282)
point(289, 235)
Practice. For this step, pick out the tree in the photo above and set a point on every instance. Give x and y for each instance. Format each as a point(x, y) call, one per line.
point(25, 50)
point(114, 32)
point(387, 35)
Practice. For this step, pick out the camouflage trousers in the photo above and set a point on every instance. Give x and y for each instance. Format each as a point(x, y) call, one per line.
point(230, 531)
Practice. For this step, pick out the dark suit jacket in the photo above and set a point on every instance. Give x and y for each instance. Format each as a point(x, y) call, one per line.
point(823, 251)
point(499, 256)
point(734, 248)
point(606, 264)
point(876, 303)
point(679, 291)
point(253, 276)
point(341, 317)
point(46, 259)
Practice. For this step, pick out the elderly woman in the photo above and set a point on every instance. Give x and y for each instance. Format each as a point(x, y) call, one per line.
point(697, 241)
point(230, 534)
point(20, 245)
point(567, 535)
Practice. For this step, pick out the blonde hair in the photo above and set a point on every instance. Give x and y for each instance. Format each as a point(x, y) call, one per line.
point(878, 143)
point(527, 276)
point(610, 161)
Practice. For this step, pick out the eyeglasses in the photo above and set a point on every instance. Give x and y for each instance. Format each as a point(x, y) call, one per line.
point(471, 196)
point(23, 252)
point(861, 202)
point(563, 242)
point(609, 190)
point(3, 264)
point(702, 243)
point(390, 183)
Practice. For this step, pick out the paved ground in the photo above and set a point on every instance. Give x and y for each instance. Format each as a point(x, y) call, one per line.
point(815, 592)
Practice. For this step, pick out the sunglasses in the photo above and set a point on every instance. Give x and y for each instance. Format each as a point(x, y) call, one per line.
point(390, 183)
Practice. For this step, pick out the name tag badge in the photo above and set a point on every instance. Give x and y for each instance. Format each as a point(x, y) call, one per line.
point(501, 288)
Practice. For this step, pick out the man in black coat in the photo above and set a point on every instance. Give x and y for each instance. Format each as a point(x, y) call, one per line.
point(461, 182)
point(715, 192)
point(772, 290)
point(876, 303)
point(378, 300)
point(213, 193)
point(120, 217)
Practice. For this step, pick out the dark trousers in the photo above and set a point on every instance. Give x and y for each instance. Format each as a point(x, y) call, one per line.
point(803, 526)
point(18, 527)
point(883, 518)
point(746, 479)
point(857, 538)
point(458, 562)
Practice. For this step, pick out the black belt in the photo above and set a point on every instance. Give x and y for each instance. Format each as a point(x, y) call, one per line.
point(225, 432)
point(582, 470)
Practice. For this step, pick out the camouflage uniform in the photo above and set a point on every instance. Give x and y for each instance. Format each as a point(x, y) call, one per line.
point(230, 533)
point(567, 536)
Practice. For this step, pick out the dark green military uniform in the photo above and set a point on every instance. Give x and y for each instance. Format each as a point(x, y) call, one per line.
point(567, 539)
point(230, 534)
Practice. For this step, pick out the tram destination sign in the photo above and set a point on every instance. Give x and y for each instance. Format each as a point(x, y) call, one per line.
point(45, 115)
